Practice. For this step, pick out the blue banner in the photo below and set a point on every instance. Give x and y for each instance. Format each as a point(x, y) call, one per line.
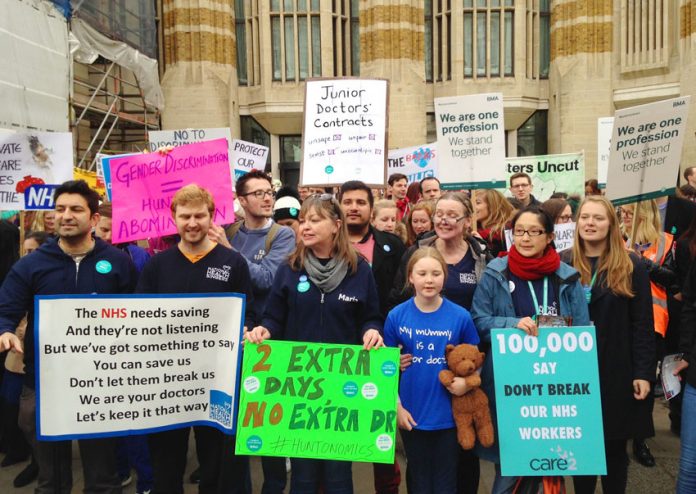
point(548, 402)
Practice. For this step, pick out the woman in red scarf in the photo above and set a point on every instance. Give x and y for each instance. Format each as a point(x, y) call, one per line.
point(513, 291)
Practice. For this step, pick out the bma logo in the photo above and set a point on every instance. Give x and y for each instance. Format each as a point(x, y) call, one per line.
point(39, 196)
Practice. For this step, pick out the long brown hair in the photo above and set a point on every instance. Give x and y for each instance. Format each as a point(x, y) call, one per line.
point(326, 207)
point(614, 262)
point(426, 206)
point(499, 211)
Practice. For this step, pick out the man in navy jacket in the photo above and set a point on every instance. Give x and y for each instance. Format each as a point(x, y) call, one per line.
point(76, 263)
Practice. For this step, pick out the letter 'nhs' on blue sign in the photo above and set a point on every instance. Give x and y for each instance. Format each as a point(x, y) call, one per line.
point(39, 196)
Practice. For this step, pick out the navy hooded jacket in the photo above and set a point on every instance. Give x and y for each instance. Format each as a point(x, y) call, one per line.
point(50, 271)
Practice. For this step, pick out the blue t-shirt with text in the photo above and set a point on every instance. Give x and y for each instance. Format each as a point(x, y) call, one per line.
point(425, 336)
point(461, 281)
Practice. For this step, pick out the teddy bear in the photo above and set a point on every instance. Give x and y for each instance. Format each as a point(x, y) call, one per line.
point(470, 411)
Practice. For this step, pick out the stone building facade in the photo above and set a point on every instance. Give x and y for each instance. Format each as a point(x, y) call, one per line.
point(560, 64)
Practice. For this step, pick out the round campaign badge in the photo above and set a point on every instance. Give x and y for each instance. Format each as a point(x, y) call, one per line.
point(303, 286)
point(369, 391)
point(389, 369)
point(350, 389)
point(329, 170)
point(384, 442)
point(387, 248)
point(254, 443)
point(293, 212)
point(103, 267)
point(511, 284)
point(252, 384)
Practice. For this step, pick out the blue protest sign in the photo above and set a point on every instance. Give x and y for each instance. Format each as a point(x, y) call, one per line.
point(548, 402)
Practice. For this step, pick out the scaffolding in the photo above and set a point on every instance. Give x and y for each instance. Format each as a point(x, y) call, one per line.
point(109, 114)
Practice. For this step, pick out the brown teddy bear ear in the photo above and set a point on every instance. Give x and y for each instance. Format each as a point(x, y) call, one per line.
point(448, 349)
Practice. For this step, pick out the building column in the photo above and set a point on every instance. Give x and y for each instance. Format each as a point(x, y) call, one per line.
point(580, 79)
point(391, 47)
point(687, 37)
point(200, 57)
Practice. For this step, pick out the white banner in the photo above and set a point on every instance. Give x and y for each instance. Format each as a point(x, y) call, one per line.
point(345, 132)
point(646, 146)
point(471, 141)
point(162, 138)
point(605, 126)
point(33, 159)
point(416, 162)
point(118, 365)
point(245, 156)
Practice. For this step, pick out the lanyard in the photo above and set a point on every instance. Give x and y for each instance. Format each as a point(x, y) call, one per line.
point(534, 297)
point(588, 288)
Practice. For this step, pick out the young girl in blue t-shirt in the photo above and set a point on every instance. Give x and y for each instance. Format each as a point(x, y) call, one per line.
point(423, 326)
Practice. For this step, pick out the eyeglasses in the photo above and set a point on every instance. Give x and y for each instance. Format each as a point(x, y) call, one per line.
point(520, 186)
point(626, 212)
point(531, 233)
point(449, 219)
point(261, 194)
point(323, 197)
point(565, 218)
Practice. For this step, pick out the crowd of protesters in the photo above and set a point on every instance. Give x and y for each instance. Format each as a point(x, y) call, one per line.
point(412, 254)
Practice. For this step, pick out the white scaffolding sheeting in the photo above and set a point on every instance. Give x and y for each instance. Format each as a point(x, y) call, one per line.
point(93, 44)
point(34, 66)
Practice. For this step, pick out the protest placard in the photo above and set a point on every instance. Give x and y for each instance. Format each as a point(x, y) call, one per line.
point(416, 162)
point(548, 402)
point(127, 364)
point(646, 146)
point(345, 132)
point(550, 173)
point(605, 127)
point(245, 156)
point(105, 161)
point(164, 138)
point(316, 400)
point(471, 141)
point(143, 185)
point(39, 159)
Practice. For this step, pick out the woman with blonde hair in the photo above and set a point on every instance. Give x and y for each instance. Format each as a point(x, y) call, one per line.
point(419, 221)
point(308, 303)
point(493, 212)
point(617, 291)
point(642, 224)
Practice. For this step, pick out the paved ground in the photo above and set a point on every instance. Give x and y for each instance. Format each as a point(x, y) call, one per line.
point(661, 479)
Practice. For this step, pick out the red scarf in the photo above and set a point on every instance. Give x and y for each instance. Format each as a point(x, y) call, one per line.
point(403, 207)
point(533, 268)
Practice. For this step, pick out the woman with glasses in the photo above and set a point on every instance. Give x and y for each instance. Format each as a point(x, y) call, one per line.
point(466, 258)
point(617, 291)
point(325, 293)
point(514, 291)
point(559, 210)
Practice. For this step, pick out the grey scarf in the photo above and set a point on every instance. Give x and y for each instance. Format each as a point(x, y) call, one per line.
point(325, 277)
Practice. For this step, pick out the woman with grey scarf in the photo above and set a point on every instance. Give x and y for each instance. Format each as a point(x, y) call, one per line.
point(324, 294)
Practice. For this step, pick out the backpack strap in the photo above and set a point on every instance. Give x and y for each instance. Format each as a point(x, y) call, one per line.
point(232, 230)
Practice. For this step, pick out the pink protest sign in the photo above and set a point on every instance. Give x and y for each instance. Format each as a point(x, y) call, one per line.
point(143, 186)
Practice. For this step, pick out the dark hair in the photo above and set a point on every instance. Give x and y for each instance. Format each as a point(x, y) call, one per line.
point(555, 207)
point(413, 192)
point(287, 191)
point(520, 175)
point(395, 177)
point(351, 185)
point(420, 184)
point(515, 202)
point(39, 237)
point(105, 210)
point(544, 218)
point(79, 187)
point(689, 236)
point(559, 195)
point(240, 186)
point(687, 191)
point(688, 172)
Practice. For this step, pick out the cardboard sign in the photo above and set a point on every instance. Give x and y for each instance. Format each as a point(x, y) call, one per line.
point(471, 141)
point(33, 158)
point(548, 402)
point(314, 400)
point(605, 126)
point(174, 138)
point(563, 240)
point(646, 146)
point(111, 365)
point(416, 163)
point(345, 132)
point(245, 156)
point(143, 186)
point(551, 173)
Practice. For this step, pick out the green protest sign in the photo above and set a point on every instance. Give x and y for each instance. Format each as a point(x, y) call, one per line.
point(316, 400)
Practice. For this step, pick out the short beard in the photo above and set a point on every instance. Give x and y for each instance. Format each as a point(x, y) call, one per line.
point(356, 229)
